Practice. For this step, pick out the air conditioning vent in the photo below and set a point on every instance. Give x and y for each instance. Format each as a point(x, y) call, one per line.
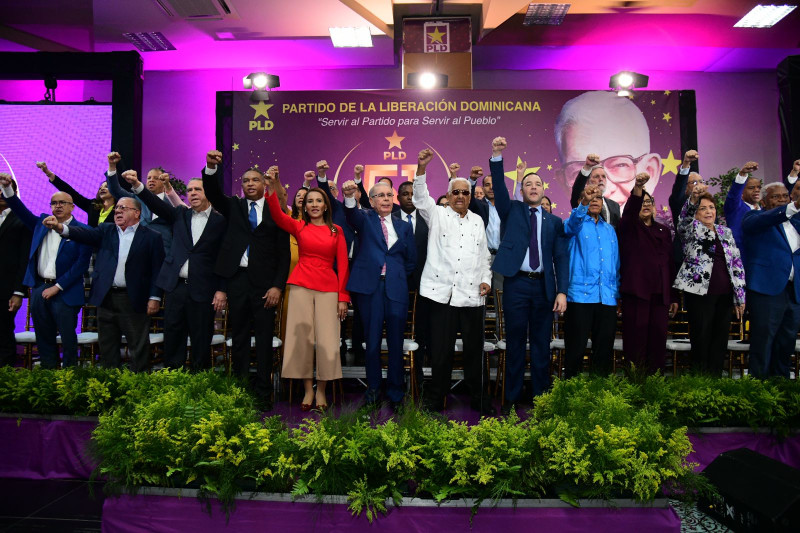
point(197, 9)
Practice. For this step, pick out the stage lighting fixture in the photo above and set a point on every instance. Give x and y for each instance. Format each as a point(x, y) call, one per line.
point(50, 83)
point(625, 79)
point(427, 80)
point(624, 82)
point(624, 92)
point(261, 81)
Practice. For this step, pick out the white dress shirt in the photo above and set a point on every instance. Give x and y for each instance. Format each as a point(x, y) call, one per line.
point(606, 214)
point(458, 256)
point(259, 213)
point(48, 251)
point(791, 233)
point(125, 241)
point(739, 179)
point(4, 214)
point(199, 221)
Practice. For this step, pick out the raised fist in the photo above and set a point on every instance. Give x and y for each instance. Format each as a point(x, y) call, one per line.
point(498, 145)
point(5, 179)
point(699, 190)
point(590, 193)
point(796, 167)
point(164, 178)
point(690, 156)
point(424, 157)
point(51, 222)
point(309, 175)
point(131, 177)
point(454, 168)
point(322, 165)
point(591, 160)
point(358, 170)
point(114, 158)
point(749, 167)
point(213, 158)
point(43, 167)
point(476, 172)
point(642, 178)
point(349, 188)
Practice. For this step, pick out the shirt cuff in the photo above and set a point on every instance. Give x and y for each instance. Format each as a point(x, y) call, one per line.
point(65, 231)
point(585, 172)
point(496, 158)
point(111, 173)
point(8, 192)
point(321, 179)
point(741, 179)
point(357, 180)
point(683, 171)
point(156, 298)
point(17, 293)
point(791, 179)
point(211, 171)
point(59, 287)
point(350, 202)
point(472, 182)
point(138, 189)
point(791, 210)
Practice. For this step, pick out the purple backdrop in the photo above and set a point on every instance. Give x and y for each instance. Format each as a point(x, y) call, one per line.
point(384, 130)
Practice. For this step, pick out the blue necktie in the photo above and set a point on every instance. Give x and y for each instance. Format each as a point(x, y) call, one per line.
point(408, 217)
point(533, 249)
point(253, 217)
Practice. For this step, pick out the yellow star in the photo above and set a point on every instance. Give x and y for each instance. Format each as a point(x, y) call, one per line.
point(255, 166)
point(436, 36)
point(664, 208)
point(670, 164)
point(652, 102)
point(553, 205)
point(261, 110)
point(235, 147)
point(667, 117)
point(545, 185)
point(667, 93)
point(394, 141)
point(512, 174)
point(549, 167)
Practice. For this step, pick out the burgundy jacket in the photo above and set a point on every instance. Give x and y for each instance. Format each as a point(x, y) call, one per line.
point(646, 257)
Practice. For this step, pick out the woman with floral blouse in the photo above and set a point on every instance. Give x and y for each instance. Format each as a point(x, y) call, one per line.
point(712, 278)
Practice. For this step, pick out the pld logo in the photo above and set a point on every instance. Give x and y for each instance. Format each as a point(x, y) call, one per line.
point(437, 37)
point(261, 109)
point(394, 142)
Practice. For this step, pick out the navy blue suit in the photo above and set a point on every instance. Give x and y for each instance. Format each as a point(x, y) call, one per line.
point(162, 227)
point(58, 314)
point(123, 310)
point(527, 303)
point(735, 209)
point(774, 303)
point(382, 298)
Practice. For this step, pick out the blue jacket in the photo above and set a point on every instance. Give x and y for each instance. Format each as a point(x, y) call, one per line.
point(337, 214)
point(516, 232)
point(735, 209)
point(72, 260)
point(769, 259)
point(593, 259)
point(163, 227)
point(400, 259)
point(144, 262)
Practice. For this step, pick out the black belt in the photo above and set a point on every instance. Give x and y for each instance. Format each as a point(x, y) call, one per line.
point(184, 280)
point(383, 277)
point(531, 275)
point(49, 281)
point(119, 289)
point(492, 251)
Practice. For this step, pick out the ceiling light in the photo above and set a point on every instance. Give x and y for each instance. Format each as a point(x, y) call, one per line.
point(153, 41)
point(427, 80)
point(351, 37)
point(625, 79)
point(225, 35)
point(764, 16)
point(545, 14)
point(261, 81)
point(628, 80)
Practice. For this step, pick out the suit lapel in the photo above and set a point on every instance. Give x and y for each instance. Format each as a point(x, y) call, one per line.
point(187, 217)
point(397, 223)
point(7, 223)
point(380, 232)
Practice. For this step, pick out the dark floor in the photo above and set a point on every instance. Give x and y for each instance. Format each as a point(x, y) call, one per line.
point(53, 505)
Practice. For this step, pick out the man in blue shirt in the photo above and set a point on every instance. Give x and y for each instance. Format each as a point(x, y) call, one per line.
point(593, 286)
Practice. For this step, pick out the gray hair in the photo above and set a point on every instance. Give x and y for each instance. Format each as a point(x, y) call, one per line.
point(454, 181)
point(766, 189)
point(136, 203)
point(378, 184)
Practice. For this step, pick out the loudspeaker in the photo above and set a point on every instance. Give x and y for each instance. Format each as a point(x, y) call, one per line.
point(756, 493)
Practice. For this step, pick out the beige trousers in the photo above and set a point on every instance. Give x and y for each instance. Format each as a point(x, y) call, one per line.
point(312, 322)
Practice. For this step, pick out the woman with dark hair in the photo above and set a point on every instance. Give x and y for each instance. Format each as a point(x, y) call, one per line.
point(712, 278)
point(317, 296)
point(97, 209)
point(547, 204)
point(647, 270)
point(442, 200)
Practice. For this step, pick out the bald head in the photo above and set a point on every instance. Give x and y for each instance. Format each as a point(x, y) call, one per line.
point(61, 206)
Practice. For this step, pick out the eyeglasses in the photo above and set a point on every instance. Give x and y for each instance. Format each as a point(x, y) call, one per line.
point(459, 192)
point(647, 202)
point(123, 208)
point(383, 195)
point(59, 203)
point(621, 167)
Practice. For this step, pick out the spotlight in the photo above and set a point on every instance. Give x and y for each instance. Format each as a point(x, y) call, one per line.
point(50, 83)
point(427, 80)
point(625, 82)
point(261, 81)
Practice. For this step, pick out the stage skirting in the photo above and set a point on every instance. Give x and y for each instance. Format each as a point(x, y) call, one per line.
point(157, 510)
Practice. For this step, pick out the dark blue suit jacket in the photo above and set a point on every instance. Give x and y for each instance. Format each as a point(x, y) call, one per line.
point(769, 259)
point(162, 227)
point(400, 259)
point(72, 260)
point(144, 261)
point(203, 282)
point(421, 239)
point(735, 209)
point(516, 219)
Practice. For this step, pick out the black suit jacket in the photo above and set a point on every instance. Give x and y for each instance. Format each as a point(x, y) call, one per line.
point(268, 262)
point(15, 243)
point(82, 202)
point(614, 211)
point(203, 282)
point(144, 261)
point(421, 240)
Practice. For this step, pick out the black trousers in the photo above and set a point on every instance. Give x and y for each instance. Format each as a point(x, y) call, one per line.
point(116, 317)
point(422, 327)
point(582, 321)
point(644, 332)
point(449, 320)
point(185, 317)
point(8, 343)
point(246, 314)
point(709, 318)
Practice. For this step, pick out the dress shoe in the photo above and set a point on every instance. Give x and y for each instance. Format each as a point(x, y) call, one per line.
point(372, 399)
point(506, 409)
point(305, 407)
point(484, 407)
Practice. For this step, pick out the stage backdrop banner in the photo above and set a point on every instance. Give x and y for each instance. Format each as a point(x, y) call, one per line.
point(552, 132)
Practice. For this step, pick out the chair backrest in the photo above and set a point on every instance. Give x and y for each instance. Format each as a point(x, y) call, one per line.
point(498, 306)
point(678, 326)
